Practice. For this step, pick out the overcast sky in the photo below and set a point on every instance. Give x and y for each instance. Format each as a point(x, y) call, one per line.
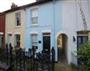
point(5, 4)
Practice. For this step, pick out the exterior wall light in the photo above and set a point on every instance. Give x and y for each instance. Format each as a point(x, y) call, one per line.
point(74, 39)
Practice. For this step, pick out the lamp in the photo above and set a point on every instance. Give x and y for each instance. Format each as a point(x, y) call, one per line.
point(74, 39)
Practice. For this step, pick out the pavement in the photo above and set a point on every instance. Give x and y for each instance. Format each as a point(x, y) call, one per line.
point(64, 67)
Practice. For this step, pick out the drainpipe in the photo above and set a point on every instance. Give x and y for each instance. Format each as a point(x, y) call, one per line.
point(83, 16)
point(54, 29)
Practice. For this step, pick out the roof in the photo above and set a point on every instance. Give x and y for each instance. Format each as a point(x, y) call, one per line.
point(28, 5)
point(1, 14)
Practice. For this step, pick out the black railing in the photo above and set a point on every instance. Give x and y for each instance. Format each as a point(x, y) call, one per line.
point(20, 60)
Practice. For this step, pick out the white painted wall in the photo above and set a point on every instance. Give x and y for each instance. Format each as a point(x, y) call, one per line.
point(72, 22)
point(60, 17)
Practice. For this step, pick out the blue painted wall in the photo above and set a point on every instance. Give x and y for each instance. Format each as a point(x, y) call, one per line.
point(49, 20)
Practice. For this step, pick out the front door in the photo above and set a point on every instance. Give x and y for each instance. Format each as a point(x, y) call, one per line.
point(46, 42)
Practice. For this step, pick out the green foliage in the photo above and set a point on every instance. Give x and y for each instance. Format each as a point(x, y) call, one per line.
point(84, 55)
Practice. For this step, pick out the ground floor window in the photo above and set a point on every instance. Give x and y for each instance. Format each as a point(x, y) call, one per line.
point(9, 40)
point(17, 40)
point(34, 40)
point(82, 37)
point(1, 41)
point(81, 40)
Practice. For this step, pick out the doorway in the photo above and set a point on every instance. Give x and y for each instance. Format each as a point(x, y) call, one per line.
point(46, 42)
point(62, 47)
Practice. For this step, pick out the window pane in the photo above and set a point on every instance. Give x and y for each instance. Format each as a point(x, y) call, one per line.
point(81, 40)
point(85, 39)
point(34, 12)
point(17, 38)
point(34, 20)
point(34, 39)
point(18, 17)
point(34, 16)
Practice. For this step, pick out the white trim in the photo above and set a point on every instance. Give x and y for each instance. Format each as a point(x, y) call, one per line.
point(46, 31)
point(33, 32)
point(1, 33)
point(61, 32)
point(82, 34)
point(46, 34)
point(17, 33)
point(34, 25)
point(34, 7)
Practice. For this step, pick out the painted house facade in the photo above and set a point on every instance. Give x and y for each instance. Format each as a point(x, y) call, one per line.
point(15, 20)
point(2, 30)
point(62, 25)
point(59, 24)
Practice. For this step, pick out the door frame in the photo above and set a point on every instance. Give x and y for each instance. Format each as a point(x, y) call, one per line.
point(64, 35)
point(46, 34)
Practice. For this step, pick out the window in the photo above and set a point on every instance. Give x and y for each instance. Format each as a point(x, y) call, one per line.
point(9, 38)
point(81, 38)
point(18, 19)
point(34, 16)
point(17, 40)
point(1, 41)
point(34, 40)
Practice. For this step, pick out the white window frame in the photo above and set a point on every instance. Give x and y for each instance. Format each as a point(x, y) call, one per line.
point(34, 16)
point(16, 40)
point(19, 16)
point(82, 35)
point(35, 43)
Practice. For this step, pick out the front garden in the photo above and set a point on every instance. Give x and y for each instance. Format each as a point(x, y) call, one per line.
point(21, 60)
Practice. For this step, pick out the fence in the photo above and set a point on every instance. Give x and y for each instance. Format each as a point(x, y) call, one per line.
point(20, 60)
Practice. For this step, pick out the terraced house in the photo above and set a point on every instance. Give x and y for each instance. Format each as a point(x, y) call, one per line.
point(61, 24)
point(2, 30)
point(46, 24)
point(15, 21)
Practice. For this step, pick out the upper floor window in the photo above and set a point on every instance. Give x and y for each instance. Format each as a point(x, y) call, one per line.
point(34, 16)
point(18, 19)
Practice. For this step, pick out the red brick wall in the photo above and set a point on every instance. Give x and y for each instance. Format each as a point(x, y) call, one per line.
point(2, 27)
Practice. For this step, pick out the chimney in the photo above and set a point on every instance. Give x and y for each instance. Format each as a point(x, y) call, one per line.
point(13, 6)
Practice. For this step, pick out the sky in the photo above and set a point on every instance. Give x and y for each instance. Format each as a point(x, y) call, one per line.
point(6, 4)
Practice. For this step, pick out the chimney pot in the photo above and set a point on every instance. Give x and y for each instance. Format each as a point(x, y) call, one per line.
point(13, 6)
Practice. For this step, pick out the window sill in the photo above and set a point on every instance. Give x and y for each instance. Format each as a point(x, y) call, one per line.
point(18, 26)
point(34, 25)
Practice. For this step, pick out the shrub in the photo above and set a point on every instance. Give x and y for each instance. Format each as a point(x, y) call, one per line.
point(84, 55)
